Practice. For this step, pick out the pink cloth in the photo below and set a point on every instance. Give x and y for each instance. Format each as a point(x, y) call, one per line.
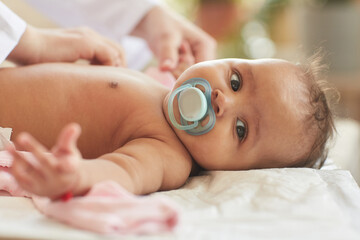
point(165, 78)
point(106, 208)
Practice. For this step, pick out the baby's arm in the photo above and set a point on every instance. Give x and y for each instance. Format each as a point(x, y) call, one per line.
point(137, 166)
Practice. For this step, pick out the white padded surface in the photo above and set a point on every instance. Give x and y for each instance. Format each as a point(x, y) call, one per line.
point(345, 151)
point(257, 204)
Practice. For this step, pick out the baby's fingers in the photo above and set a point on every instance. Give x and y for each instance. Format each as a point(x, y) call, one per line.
point(41, 154)
point(24, 172)
point(67, 140)
point(66, 148)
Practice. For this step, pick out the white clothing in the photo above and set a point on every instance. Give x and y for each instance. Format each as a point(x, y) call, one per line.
point(114, 19)
point(5, 134)
point(12, 28)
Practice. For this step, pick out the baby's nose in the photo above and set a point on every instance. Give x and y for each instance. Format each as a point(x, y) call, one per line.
point(218, 102)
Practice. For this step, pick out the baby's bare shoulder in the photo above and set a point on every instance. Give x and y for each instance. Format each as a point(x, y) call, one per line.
point(175, 160)
point(177, 164)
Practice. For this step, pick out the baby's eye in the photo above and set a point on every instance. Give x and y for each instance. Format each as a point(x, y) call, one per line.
point(240, 129)
point(235, 81)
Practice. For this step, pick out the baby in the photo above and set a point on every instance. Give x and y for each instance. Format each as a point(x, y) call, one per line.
point(229, 114)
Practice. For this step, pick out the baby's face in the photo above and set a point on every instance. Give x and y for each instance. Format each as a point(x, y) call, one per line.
point(257, 121)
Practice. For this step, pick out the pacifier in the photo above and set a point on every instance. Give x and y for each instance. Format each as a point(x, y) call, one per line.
point(194, 106)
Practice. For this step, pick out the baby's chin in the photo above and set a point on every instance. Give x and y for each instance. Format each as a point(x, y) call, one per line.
point(206, 161)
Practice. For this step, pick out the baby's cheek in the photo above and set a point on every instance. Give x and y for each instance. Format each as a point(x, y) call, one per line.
point(201, 150)
point(212, 154)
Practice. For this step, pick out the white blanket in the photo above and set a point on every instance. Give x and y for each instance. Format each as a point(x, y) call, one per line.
point(257, 204)
point(271, 204)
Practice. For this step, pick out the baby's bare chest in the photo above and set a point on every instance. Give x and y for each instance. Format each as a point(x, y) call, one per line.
point(118, 114)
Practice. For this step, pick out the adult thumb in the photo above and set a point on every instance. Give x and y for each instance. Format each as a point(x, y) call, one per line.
point(168, 53)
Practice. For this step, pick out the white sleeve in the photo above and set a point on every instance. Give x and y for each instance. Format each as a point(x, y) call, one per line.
point(12, 28)
point(112, 18)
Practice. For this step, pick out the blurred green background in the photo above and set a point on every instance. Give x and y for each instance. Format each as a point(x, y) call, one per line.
point(274, 28)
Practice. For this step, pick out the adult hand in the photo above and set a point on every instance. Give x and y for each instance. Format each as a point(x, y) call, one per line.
point(66, 45)
point(168, 35)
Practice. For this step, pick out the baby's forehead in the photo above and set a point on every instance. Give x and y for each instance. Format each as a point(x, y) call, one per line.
point(284, 71)
point(272, 61)
point(264, 62)
point(287, 82)
point(293, 89)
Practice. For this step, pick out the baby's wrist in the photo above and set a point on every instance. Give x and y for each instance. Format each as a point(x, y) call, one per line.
point(75, 189)
point(70, 193)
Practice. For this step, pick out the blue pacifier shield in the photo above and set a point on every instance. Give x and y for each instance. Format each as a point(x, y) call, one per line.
point(194, 106)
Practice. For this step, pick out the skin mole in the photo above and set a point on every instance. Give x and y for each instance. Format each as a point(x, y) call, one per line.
point(113, 84)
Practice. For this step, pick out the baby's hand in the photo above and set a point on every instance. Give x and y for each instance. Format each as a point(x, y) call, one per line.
point(45, 173)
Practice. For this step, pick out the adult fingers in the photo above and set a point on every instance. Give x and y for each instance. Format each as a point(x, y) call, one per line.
point(121, 62)
point(202, 45)
point(167, 51)
point(104, 54)
point(186, 59)
point(107, 53)
point(186, 53)
point(98, 49)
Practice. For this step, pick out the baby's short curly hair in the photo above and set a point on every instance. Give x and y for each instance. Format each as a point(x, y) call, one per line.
point(320, 120)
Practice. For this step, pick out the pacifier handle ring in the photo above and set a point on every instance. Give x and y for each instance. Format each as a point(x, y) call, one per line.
point(202, 130)
point(200, 113)
point(171, 114)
